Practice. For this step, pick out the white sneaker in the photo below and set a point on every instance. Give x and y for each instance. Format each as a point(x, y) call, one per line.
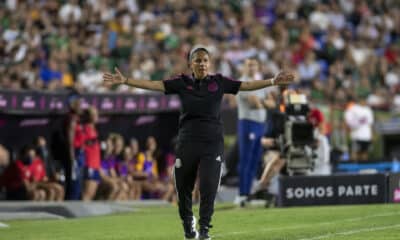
point(240, 200)
point(190, 230)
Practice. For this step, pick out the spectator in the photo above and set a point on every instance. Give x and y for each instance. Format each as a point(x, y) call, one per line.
point(145, 37)
point(51, 75)
point(119, 144)
point(22, 177)
point(251, 127)
point(51, 166)
point(54, 178)
point(308, 70)
point(90, 79)
point(148, 165)
point(359, 118)
point(67, 142)
point(126, 169)
point(168, 178)
point(322, 162)
point(4, 158)
point(111, 186)
point(91, 171)
point(70, 12)
point(4, 163)
point(16, 188)
point(135, 167)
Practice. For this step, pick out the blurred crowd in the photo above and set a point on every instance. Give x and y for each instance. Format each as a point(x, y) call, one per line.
point(339, 48)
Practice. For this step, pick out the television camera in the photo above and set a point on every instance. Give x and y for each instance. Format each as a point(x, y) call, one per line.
point(297, 140)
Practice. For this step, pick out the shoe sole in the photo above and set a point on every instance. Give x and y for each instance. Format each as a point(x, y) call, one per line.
point(195, 238)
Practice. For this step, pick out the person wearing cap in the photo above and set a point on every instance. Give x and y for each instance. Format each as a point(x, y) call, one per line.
point(200, 138)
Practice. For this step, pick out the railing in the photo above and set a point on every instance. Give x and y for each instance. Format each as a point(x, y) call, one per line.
point(42, 102)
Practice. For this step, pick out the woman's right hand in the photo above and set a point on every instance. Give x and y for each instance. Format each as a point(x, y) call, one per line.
point(110, 79)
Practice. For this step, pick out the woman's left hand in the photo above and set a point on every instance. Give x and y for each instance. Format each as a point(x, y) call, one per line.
point(284, 78)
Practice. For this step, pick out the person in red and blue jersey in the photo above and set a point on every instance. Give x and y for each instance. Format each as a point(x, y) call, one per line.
point(91, 170)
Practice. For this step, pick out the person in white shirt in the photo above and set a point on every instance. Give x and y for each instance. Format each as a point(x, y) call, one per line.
point(70, 12)
point(359, 118)
point(251, 128)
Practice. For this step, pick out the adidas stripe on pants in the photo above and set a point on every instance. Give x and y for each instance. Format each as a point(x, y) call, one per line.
point(203, 158)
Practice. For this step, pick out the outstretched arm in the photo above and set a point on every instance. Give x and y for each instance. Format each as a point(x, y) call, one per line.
point(282, 78)
point(113, 79)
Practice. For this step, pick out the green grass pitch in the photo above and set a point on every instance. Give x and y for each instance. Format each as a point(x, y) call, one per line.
point(363, 222)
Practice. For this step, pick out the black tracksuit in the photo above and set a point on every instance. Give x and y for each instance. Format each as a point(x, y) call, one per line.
point(200, 140)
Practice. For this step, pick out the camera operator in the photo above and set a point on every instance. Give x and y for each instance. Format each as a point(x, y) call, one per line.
point(272, 160)
point(322, 164)
point(275, 158)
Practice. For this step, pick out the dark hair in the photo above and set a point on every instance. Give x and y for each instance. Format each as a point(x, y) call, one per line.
point(72, 95)
point(195, 50)
point(352, 98)
point(85, 117)
point(25, 149)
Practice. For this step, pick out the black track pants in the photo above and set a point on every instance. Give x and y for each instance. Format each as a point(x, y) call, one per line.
point(204, 158)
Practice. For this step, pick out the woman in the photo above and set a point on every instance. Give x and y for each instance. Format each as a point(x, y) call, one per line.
point(126, 169)
point(168, 175)
point(52, 182)
point(119, 145)
point(109, 188)
point(148, 166)
point(91, 172)
point(200, 141)
point(34, 177)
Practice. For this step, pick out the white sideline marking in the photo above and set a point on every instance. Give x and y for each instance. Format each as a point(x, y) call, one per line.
point(3, 225)
point(360, 230)
point(310, 225)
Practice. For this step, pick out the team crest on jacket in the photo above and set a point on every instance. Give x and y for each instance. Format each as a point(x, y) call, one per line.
point(212, 86)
